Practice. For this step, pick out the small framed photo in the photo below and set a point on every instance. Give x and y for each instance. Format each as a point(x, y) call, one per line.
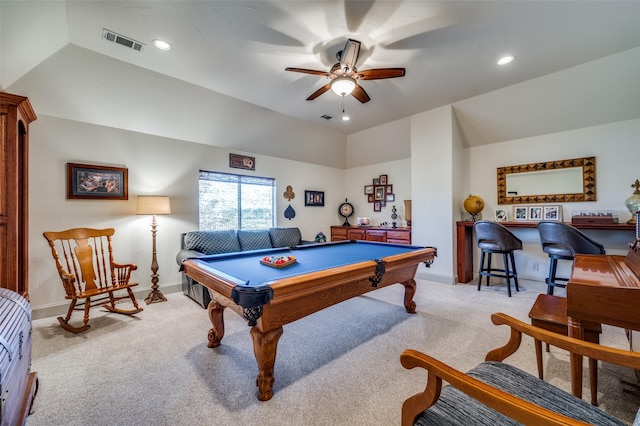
point(501, 215)
point(383, 179)
point(378, 193)
point(389, 189)
point(552, 213)
point(314, 198)
point(237, 161)
point(535, 213)
point(368, 189)
point(376, 181)
point(89, 182)
point(370, 198)
point(391, 197)
point(377, 206)
point(520, 213)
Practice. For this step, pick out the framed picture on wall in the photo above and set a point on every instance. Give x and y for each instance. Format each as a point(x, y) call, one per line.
point(370, 198)
point(552, 213)
point(377, 206)
point(90, 182)
point(520, 213)
point(368, 189)
point(535, 213)
point(383, 179)
point(501, 215)
point(379, 193)
point(314, 198)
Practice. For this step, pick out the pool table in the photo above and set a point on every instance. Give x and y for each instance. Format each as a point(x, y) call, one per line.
point(321, 276)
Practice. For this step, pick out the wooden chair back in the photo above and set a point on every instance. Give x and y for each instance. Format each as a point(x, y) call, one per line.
point(87, 254)
point(85, 263)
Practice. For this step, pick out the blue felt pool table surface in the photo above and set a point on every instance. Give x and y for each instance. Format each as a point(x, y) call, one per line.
point(245, 269)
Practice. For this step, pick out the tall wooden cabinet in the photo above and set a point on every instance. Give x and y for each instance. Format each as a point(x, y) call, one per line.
point(15, 116)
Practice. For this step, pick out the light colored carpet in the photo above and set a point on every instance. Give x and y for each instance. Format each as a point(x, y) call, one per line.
point(336, 367)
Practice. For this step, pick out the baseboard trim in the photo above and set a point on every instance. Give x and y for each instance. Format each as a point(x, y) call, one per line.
point(61, 308)
point(445, 279)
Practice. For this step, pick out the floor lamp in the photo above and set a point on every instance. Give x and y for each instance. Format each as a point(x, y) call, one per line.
point(153, 205)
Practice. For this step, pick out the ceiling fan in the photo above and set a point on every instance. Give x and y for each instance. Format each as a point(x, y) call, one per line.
point(344, 75)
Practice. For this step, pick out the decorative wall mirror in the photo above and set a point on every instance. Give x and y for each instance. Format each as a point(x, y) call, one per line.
point(551, 182)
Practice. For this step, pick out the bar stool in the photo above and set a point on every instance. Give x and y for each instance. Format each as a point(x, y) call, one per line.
point(495, 238)
point(550, 313)
point(562, 242)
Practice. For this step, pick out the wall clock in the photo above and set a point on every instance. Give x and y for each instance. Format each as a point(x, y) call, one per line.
point(346, 211)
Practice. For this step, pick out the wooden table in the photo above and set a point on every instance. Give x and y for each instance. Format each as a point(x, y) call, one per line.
point(603, 289)
point(323, 275)
point(465, 247)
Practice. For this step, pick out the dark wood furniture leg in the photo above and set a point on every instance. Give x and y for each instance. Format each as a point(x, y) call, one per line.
point(464, 252)
point(409, 292)
point(265, 346)
point(216, 333)
point(549, 312)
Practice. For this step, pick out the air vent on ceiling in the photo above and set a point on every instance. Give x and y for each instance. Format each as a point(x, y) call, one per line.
point(122, 40)
point(326, 117)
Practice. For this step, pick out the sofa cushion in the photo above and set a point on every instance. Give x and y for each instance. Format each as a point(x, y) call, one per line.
point(457, 408)
point(212, 242)
point(254, 240)
point(285, 237)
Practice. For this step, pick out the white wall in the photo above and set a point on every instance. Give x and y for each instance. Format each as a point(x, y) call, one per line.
point(399, 175)
point(155, 166)
point(617, 151)
point(432, 177)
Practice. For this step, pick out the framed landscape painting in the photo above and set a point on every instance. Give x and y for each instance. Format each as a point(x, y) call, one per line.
point(91, 182)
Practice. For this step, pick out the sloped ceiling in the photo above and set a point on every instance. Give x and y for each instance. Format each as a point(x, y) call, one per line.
point(576, 63)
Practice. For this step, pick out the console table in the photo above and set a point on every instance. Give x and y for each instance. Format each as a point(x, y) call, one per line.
point(372, 233)
point(465, 246)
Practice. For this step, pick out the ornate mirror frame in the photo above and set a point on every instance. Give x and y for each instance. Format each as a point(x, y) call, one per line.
point(588, 165)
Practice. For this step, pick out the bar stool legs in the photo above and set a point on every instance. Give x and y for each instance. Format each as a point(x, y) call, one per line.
point(508, 272)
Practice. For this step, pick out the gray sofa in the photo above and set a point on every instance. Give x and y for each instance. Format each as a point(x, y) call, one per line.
point(202, 243)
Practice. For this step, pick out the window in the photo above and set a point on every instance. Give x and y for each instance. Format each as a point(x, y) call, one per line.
point(229, 201)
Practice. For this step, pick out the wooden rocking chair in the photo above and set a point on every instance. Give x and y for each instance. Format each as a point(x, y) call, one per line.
point(87, 271)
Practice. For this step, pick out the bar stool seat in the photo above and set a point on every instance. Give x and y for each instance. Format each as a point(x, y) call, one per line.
point(562, 242)
point(550, 313)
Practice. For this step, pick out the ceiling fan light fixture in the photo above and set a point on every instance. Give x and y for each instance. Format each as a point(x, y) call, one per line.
point(343, 86)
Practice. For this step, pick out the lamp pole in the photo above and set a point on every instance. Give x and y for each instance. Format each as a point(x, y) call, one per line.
point(155, 295)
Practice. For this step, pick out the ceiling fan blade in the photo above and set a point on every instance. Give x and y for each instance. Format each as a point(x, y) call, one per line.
point(306, 71)
point(349, 55)
point(380, 73)
point(320, 91)
point(360, 94)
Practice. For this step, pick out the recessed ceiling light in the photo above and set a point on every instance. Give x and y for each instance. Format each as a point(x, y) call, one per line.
point(346, 118)
point(506, 60)
point(161, 44)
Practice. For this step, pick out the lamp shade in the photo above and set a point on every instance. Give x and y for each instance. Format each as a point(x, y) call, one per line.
point(343, 86)
point(153, 204)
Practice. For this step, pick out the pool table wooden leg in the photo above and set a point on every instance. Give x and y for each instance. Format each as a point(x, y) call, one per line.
point(409, 292)
point(264, 347)
point(216, 333)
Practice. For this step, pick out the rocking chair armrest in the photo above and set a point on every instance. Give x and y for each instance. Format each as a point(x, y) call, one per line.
point(131, 266)
point(69, 283)
point(504, 402)
point(123, 272)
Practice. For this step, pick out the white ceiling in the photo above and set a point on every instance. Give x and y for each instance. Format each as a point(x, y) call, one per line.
point(241, 48)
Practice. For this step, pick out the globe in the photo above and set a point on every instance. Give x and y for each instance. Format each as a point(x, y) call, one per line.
point(473, 205)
